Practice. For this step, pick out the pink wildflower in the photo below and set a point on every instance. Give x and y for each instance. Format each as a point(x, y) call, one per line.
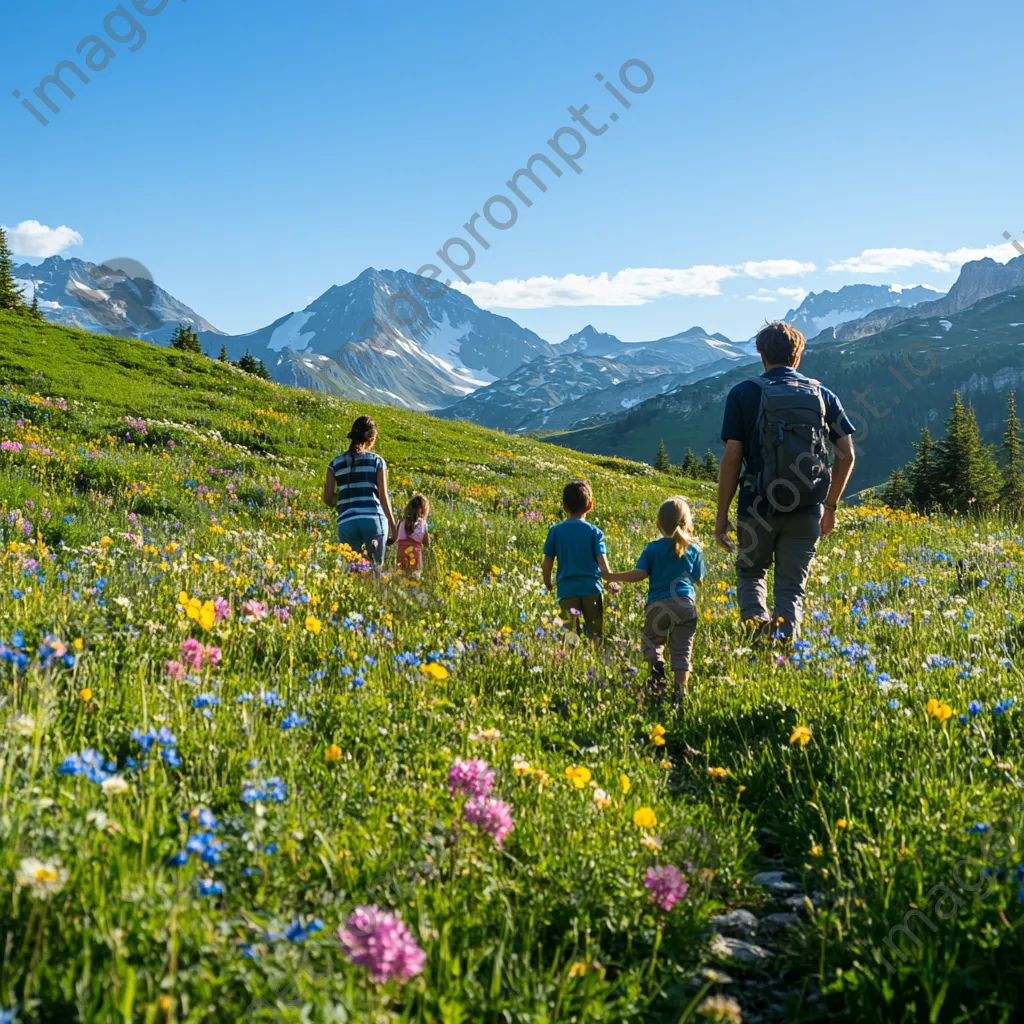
point(666, 886)
point(255, 610)
point(175, 670)
point(192, 651)
point(212, 656)
point(382, 944)
point(282, 614)
point(470, 778)
point(221, 609)
point(10, 446)
point(490, 815)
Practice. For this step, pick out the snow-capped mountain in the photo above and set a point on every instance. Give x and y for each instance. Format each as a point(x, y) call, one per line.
point(559, 392)
point(380, 338)
point(821, 310)
point(105, 300)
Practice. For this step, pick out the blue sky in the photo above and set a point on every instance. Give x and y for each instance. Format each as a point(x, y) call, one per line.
point(252, 155)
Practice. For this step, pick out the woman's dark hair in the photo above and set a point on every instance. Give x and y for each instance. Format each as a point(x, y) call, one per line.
point(363, 432)
point(417, 509)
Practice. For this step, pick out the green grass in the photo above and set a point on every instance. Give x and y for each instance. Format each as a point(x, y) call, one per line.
point(104, 527)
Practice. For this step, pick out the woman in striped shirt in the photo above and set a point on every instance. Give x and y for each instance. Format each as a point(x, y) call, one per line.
point(357, 486)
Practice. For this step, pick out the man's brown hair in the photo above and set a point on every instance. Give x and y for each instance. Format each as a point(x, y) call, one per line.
point(577, 497)
point(780, 343)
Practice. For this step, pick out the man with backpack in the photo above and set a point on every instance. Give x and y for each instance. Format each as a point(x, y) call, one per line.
point(775, 432)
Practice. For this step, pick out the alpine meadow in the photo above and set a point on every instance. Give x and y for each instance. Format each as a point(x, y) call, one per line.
point(225, 739)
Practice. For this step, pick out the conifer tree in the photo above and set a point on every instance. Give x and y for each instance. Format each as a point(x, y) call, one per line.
point(10, 294)
point(248, 364)
point(185, 339)
point(223, 357)
point(921, 483)
point(34, 311)
point(1011, 497)
point(262, 372)
point(966, 471)
point(661, 462)
point(690, 467)
point(709, 467)
point(895, 493)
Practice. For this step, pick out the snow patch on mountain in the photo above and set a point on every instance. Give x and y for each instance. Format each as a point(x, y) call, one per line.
point(289, 334)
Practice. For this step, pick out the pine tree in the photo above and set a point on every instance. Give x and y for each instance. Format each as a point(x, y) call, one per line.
point(223, 357)
point(248, 364)
point(895, 493)
point(34, 311)
point(690, 467)
point(661, 462)
point(262, 372)
point(10, 294)
point(1011, 497)
point(921, 484)
point(185, 339)
point(709, 467)
point(966, 471)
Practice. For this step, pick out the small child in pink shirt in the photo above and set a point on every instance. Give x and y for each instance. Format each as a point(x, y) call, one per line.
point(412, 534)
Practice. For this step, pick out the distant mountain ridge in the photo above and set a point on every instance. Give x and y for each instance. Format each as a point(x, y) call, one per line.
point(821, 310)
point(105, 300)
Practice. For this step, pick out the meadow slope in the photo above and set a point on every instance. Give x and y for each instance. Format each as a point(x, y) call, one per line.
point(221, 736)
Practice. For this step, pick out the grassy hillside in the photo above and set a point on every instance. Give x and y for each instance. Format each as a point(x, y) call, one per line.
point(892, 384)
point(222, 737)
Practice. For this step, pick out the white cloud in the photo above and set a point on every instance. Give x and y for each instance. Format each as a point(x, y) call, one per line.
point(886, 261)
point(634, 286)
point(30, 238)
point(796, 295)
point(777, 268)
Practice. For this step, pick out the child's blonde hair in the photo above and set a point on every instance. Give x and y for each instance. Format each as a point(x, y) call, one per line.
point(676, 522)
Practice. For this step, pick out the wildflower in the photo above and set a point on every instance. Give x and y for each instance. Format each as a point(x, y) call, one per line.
point(841, 823)
point(578, 968)
point(208, 887)
point(436, 671)
point(473, 778)
point(802, 735)
point(816, 850)
point(624, 783)
point(490, 815)
point(601, 798)
point(85, 693)
point(658, 736)
point(292, 721)
point(652, 843)
point(718, 773)
point(332, 753)
point(975, 708)
point(382, 944)
point(114, 785)
point(312, 624)
point(175, 670)
point(23, 725)
point(666, 886)
point(254, 610)
point(521, 768)
point(44, 878)
point(487, 735)
point(938, 709)
point(721, 1010)
point(578, 775)
point(644, 817)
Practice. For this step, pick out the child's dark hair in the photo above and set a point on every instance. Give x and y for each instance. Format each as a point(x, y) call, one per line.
point(417, 509)
point(577, 497)
point(363, 433)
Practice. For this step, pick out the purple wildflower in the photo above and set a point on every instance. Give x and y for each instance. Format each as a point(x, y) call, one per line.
point(470, 778)
point(666, 886)
point(490, 815)
point(382, 944)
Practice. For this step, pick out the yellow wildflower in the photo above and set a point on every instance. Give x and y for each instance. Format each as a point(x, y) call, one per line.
point(435, 670)
point(658, 735)
point(332, 753)
point(601, 798)
point(85, 693)
point(939, 709)
point(801, 735)
point(313, 624)
point(816, 850)
point(841, 823)
point(718, 773)
point(578, 775)
point(644, 817)
point(624, 783)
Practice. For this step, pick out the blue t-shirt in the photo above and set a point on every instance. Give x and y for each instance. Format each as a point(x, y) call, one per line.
point(575, 545)
point(742, 407)
point(355, 486)
point(667, 574)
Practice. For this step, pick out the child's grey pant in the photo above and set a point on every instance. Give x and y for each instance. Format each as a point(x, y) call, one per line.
point(673, 619)
point(787, 540)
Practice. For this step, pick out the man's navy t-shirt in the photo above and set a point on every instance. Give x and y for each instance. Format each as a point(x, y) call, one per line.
point(740, 424)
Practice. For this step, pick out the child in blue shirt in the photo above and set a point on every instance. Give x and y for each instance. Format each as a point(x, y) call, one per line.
point(673, 565)
point(579, 549)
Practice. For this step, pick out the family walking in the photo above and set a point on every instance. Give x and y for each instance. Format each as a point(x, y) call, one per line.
point(778, 430)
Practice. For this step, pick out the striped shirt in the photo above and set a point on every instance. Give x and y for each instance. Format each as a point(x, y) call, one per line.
point(355, 486)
